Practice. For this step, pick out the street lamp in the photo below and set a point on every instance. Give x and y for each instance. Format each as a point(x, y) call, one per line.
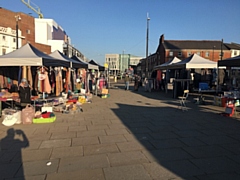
point(148, 19)
point(18, 18)
point(213, 53)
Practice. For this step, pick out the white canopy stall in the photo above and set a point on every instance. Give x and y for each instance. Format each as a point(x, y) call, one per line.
point(194, 62)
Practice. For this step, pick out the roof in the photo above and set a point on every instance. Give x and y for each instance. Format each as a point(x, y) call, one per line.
point(193, 44)
point(232, 46)
point(73, 63)
point(87, 65)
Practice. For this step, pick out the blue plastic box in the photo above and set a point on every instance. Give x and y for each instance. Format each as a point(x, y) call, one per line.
point(203, 86)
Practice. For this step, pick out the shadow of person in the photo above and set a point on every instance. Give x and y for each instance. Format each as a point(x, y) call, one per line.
point(10, 154)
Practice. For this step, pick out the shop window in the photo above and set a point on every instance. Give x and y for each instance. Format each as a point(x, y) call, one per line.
point(170, 53)
point(207, 54)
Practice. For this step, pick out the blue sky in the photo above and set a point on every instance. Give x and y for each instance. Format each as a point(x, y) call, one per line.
point(99, 27)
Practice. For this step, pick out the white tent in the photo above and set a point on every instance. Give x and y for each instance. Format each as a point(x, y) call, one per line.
point(88, 65)
point(73, 63)
point(28, 55)
point(194, 62)
point(166, 64)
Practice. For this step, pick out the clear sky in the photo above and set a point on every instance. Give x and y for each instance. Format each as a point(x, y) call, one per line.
point(99, 27)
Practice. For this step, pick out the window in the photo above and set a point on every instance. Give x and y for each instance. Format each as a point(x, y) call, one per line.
point(179, 54)
point(199, 53)
point(170, 53)
point(235, 53)
point(189, 54)
point(3, 38)
point(28, 31)
point(207, 54)
point(14, 40)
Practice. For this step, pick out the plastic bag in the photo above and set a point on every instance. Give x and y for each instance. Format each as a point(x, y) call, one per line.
point(28, 114)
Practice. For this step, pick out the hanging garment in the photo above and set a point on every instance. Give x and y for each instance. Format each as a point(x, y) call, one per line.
point(29, 76)
point(19, 74)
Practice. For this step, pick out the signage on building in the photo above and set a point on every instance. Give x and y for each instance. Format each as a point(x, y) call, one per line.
point(8, 31)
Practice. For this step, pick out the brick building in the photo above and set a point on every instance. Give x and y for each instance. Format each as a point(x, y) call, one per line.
point(26, 33)
point(168, 49)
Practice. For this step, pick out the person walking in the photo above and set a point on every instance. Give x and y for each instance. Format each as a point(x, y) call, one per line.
point(126, 80)
point(136, 82)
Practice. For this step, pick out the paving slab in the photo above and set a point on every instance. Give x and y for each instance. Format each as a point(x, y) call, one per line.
point(31, 168)
point(62, 152)
point(126, 172)
point(63, 135)
point(164, 155)
point(77, 128)
point(100, 149)
point(56, 143)
point(86, 162)
point(207, 151)
point(216, 165)
point(112, 139)
point(97, 127)
point(91, 133)
point(32, 155)
point(84, 141)
point(82, 174)
point(127, 158)
point(134, 146)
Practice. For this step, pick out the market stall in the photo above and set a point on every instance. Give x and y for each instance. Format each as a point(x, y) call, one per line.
point(231, 92)
point(42, 79)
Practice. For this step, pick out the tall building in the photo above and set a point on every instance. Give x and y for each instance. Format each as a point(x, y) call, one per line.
point(119, 63)
point(49, 32)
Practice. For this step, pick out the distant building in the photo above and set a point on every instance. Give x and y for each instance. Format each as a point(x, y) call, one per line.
point(119, 63)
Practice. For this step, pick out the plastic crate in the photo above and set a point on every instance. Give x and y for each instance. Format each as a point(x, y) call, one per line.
point(44, 120)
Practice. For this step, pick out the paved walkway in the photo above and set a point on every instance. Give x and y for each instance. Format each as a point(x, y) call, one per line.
point(131, 135)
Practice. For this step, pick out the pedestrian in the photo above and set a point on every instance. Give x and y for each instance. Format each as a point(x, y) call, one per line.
point(126, 80)
point(136, 82)
point(163, 82)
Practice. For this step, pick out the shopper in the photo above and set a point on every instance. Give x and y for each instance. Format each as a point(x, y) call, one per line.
point(126, 80)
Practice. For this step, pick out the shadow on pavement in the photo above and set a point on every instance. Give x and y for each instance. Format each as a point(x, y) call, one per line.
point(197, 144)
point(11, 155)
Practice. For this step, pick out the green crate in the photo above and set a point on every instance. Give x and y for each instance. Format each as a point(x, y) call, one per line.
point(44, 120)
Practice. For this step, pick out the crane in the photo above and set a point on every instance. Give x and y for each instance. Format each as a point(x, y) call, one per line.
point(36, 9)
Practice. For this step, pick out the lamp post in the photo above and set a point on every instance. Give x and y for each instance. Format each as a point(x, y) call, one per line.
point(213, 53)
point(148, 19)
point(18, 18)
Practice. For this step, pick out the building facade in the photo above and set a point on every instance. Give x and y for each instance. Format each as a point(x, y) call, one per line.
point(182, 49)
point(120, 63)
point(9, 22)
point(49, 32)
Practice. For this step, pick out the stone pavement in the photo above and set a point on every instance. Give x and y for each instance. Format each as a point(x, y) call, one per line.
point(130, 135)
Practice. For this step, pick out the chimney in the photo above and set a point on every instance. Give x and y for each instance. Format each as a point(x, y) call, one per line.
point(161, 40)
